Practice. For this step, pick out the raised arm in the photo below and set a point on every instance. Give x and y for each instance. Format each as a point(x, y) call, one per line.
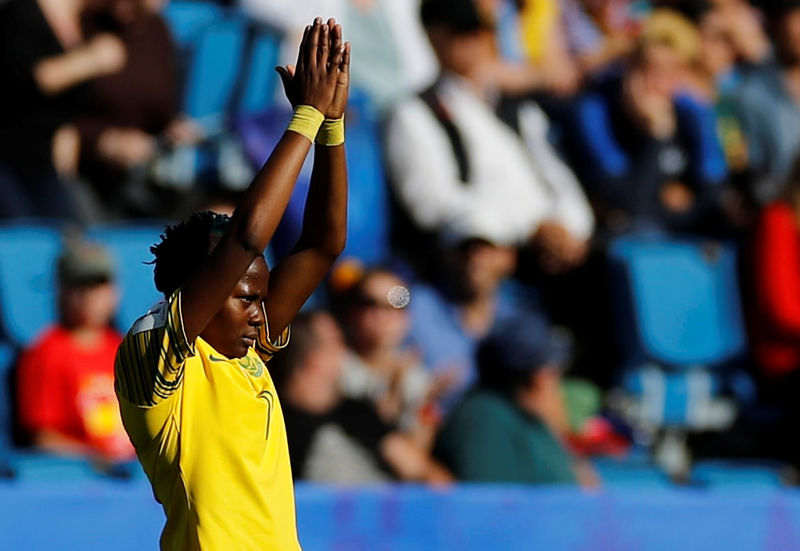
point(325, 218)
point(259, 213)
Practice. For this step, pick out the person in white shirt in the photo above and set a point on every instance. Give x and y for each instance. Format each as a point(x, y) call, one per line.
point(394, 56)
point(451, 156)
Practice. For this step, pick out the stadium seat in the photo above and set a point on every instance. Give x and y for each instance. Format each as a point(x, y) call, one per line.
point(258, 81)
point(214, 70)
point(739, 474)
point(681, 330)
point(130, 245)
point(630, 473)
point(682, 298)
point(187, 20)
point(27, 279)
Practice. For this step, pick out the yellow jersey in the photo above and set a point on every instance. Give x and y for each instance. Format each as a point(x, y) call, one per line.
point(210, 435)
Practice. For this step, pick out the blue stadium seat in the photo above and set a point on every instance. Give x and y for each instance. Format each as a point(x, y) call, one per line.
point(187, 20)
point(213, 71)
point(130, 245)
point(681, 330)
point(259, 79)
point(682, 298)
point(27, 279)
point(739, 474)
point(630, 473)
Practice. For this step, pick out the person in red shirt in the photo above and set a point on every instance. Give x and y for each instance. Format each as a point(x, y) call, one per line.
point(776, 284)
point(65, 379)
point(775, 317)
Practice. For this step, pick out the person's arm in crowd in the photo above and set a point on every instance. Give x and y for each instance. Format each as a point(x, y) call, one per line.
point(102, 55)
point(423, 168)
point(253, 223)
point(410, 461)
point(103, 139)
point(324, 231)
point(707, 171)
point(609, 171)
point(572, 209)
point(777, 270)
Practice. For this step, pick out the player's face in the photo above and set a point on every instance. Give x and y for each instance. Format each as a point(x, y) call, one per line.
point(234, 328)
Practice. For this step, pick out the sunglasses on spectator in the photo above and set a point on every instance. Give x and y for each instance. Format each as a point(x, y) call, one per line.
point(372, 302)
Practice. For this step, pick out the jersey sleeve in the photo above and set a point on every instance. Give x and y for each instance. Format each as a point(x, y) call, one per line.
point(150, 360)
point(266, 347)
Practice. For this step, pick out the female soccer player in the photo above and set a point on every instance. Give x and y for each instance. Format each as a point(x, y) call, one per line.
point(195, 396)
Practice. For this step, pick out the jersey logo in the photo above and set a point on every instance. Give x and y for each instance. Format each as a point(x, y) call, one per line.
point(253, 366)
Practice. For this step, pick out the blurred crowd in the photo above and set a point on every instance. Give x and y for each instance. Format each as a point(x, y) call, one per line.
point(520, 138)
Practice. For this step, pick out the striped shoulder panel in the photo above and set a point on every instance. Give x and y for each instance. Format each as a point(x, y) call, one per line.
point(150, 360)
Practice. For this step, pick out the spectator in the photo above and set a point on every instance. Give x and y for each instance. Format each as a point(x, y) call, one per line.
point(66, 378)
point(534, 54)
point(46, 61)
point(379, 366)
point(131, 114)
point(394, 57)
point(775, 313)
point(509, 428)
point(594, 49)
point(731, 40)
point(452, 314)
point(452, 157)
point(332, 438)
point(648, 151)
point(776, 264)
point(770, 102)
point(549, 46)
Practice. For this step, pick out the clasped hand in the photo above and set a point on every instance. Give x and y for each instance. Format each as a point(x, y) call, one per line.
point(321, 75)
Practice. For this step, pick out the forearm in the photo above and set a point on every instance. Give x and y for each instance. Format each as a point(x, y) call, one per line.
point(321, 240)
point(325, 216)
point(260, 211)
point(55, 74)
point(409, 462)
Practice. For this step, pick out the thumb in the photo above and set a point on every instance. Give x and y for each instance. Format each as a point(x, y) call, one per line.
point(284, 74)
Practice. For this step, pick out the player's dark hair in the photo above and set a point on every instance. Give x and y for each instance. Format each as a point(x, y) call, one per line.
point(184, 247)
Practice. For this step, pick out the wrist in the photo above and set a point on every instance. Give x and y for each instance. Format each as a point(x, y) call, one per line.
point(331, 133)
point(306, 121)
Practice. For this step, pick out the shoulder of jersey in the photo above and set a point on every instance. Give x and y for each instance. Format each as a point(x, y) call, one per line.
point(154, 318)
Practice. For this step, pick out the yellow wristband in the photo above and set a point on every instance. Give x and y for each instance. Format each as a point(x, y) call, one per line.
point(306, 121)
point(331, 132)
